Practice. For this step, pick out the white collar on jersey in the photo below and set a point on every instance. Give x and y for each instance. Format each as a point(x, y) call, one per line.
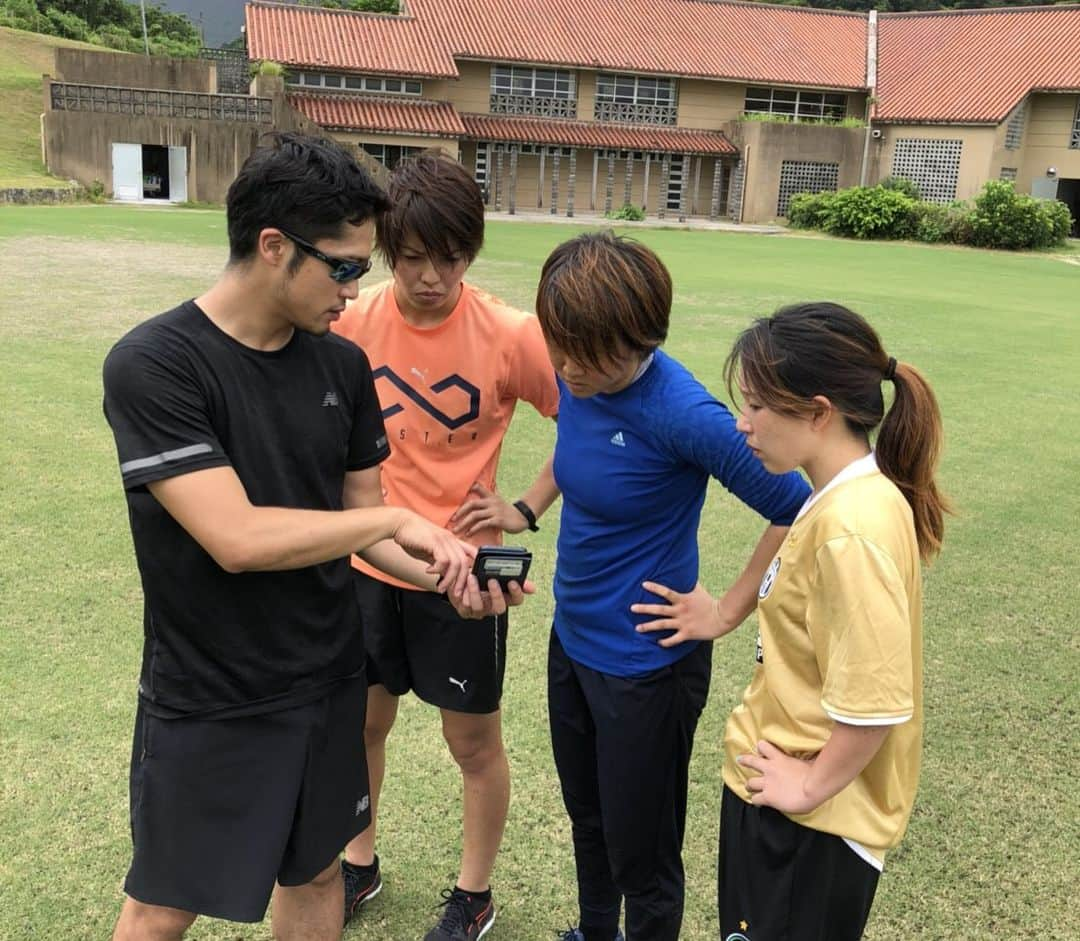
point(860, 467)
point(645, 364)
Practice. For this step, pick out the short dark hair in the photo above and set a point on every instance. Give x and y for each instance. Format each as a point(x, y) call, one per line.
point(436, 199)
point(601, 294)
point(307, 185)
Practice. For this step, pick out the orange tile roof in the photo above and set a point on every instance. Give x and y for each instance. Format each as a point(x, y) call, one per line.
point(339, 39)
point(973, 66)
point(704, 38)
point(561, 133)
point(361, 113)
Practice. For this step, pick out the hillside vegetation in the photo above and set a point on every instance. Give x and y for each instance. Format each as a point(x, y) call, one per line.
point(24, 58)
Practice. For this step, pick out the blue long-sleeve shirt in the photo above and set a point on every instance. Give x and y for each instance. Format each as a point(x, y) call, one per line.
point(633, 469)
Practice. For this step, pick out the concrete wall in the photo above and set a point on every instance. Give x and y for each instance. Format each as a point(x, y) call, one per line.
point(976, 155)
point(1046, 144)
point(765, 146)
point(78, 144)
point(470, 93)
point(705, 104)
point(89, 67)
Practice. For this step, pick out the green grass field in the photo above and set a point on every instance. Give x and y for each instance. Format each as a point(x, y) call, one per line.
point(993, 850)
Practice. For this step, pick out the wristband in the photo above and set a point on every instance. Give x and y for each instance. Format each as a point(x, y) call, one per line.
point(530, 517)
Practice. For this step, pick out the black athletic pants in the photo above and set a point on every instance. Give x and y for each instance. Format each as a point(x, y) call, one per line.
point(622, 749)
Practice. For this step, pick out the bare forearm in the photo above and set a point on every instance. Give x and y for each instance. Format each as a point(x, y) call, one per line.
point(740, 599)
point(849, 749)
point(271, 539)
point(543, 491)
point(387, 556)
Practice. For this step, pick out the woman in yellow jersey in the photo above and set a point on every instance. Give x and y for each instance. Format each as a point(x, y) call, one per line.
point(822, 755)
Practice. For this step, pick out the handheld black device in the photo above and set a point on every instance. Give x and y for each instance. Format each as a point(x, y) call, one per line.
point(505, 564)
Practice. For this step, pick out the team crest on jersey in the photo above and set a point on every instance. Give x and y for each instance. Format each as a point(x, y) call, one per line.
point(769, 579)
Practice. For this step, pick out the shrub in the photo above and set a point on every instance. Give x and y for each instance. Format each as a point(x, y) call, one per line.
point(1003, 218)
point(95, 192)
point(626, 213)
point(932, 222)
point(902, 185)
point(809, 210)
point(1060, 219)
point(266, 67)
point(870, 212)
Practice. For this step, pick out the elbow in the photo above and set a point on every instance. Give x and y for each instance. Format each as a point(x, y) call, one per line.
point(237, 555)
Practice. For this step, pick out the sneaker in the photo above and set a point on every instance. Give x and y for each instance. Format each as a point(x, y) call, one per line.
point(574, 934)
point(362, 884)
point(464, 917)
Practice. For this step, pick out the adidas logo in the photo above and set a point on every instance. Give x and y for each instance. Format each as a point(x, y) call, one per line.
point(330, 400)
point(618, 440)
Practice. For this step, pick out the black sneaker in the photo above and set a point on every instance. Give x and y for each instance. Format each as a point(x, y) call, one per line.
point(574, 934)
point(464, 917)
point(362, 884)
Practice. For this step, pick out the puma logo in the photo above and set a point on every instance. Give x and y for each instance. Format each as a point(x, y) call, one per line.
point(460, 683)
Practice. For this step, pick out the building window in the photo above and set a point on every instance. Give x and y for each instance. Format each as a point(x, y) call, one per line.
point(548, 93)
point(796, 104)
point(1074, 140)
point(1014, 130)
point(933, 165)
point(390, 155)
point(533, 149)
point(532, 83)
point(638, 99)
point(360, 83)
point(1008, 173)
point(804, 176)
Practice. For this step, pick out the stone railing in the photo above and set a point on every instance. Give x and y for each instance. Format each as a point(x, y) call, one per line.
point(536, 107)
point(623, 113)
point(153, 102)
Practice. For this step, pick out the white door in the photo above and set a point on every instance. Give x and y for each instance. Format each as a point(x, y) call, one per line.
point(127, 171)
point(1042, 188)
point(177, 174)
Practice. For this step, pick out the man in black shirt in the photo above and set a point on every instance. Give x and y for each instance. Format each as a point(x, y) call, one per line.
point(249, 441)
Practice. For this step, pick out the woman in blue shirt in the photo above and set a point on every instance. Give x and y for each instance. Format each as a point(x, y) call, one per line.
point(638, 439)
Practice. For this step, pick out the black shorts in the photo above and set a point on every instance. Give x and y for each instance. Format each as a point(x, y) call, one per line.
point(416, 640)
point(221, 809)
point(781, 881)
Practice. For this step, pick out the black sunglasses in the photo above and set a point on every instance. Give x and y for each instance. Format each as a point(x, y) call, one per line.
point(341, 269)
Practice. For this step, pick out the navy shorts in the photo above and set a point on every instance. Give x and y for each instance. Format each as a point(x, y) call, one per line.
point(221, 809)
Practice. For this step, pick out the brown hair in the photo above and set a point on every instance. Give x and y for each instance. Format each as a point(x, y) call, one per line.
point(602, 295)
point(825, 349)
point(435, 199)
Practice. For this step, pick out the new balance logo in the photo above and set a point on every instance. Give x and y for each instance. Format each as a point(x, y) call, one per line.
point(460, 683)
point(330, 400)
point(618, 440)
point(363, 804)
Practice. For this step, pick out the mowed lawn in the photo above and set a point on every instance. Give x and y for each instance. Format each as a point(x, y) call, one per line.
point(993, 847)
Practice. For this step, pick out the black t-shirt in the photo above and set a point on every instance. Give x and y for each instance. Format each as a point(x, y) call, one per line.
point(181, 396)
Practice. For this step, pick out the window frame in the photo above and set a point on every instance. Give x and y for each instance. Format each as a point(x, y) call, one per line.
point(797, 104)
point(520, 81)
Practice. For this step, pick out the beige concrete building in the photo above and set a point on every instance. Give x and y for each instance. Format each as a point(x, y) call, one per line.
point(704, 108)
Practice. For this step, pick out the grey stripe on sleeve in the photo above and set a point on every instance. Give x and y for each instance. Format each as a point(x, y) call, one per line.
point(165, 457)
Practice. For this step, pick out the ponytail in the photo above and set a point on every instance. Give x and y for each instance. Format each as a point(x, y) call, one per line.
point(821, 348)
point(908, 448)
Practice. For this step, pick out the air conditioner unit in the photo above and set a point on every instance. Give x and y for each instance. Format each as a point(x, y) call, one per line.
point(876, 133)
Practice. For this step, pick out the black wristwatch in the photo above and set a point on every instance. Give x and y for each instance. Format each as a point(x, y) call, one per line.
point(530, 517)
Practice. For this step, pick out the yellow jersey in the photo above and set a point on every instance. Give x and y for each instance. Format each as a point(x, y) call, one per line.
point(840, 621)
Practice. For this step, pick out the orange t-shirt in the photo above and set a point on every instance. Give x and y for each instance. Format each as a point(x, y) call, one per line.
point(448, 393)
